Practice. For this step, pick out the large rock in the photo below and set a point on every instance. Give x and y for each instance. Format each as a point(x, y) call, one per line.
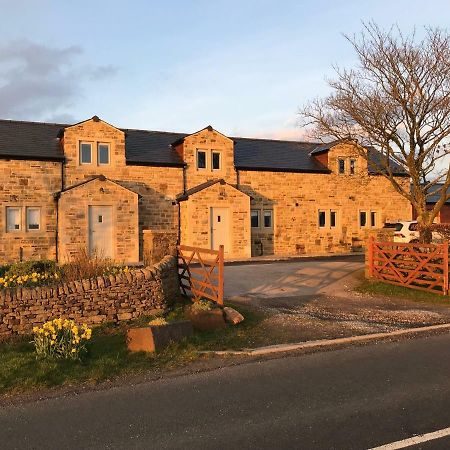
point(232, 316)
point(156, 337)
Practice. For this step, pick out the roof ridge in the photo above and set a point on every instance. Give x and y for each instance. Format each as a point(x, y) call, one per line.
point(33, 122)
point(274, 140)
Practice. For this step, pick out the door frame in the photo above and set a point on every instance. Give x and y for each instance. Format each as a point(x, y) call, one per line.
point(229, 228)
point(113, 227)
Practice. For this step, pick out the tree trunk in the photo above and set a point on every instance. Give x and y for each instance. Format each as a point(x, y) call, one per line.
point(425, 222)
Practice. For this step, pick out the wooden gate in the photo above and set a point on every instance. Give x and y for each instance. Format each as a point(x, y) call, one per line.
point(201, 272)
point(417, 266)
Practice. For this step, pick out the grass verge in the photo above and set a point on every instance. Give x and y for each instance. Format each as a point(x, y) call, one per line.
point(109, 358)
point(380, 289)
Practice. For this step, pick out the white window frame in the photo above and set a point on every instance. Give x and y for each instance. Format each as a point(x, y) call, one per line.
point(81, 153)
point(13, 230)
point(359, 218)
point(258, 212)
point(200, 150)
point(217, 152)
point(31, 208)
point(319, 211)
point(375, 222)
point(270, 211)
point(106, 144)
point(336, 219)
point(350, 171)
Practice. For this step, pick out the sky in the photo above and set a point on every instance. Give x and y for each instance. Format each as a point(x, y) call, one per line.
point(244, 67)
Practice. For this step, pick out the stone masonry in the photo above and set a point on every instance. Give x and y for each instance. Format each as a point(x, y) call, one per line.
point(92, 301)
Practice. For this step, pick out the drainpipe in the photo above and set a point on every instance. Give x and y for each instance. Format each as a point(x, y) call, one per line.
point(238, 179)
point(179, 224)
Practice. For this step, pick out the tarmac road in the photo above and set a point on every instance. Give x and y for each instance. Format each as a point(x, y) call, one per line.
point(354, 398)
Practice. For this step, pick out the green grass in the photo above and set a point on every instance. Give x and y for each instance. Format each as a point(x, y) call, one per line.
point(378, 288)
point(108, 356)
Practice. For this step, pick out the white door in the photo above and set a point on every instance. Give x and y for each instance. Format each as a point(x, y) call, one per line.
point(220, 230)
point(100, 231)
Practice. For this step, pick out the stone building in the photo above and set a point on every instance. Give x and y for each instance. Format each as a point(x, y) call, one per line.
point(119, 193)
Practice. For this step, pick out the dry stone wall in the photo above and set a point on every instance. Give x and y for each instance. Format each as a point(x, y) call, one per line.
point(111, 298)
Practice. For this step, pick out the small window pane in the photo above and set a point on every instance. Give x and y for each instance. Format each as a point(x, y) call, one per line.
point(216, 160)
point(321, 219)
point(103, 153)
point(373, 219)
point(341, 163)
point(33, 218)
point(332, 219)
point(255, 218)
point(267, 219)
point(86, 153)
point(362, 218)
point(201, 159)
point(13, 219)
point(352, 167)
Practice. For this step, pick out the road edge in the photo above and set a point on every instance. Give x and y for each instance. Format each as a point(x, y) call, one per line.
point(329, 343)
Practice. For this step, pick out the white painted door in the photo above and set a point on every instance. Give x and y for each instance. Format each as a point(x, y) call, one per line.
point(220, 229)
point(100, 231)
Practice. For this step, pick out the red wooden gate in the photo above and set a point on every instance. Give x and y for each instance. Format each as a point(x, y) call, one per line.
point(417, 266)
point(201, 272)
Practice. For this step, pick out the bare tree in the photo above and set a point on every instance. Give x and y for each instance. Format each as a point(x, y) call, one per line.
point(397, 100)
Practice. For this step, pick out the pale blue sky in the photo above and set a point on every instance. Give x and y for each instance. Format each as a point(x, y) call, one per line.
point(242, 66)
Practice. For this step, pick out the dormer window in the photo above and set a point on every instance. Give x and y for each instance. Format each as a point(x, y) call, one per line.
point(103, 154)
point(215, 160)
point(201, 159)
point(85, 153)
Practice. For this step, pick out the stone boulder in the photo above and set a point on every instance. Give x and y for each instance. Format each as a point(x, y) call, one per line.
point(232, 316)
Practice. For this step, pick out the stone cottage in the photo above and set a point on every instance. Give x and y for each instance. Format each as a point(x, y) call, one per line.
point(118, 193)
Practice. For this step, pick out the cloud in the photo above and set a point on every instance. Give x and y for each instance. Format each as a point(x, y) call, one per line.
point(38, 81)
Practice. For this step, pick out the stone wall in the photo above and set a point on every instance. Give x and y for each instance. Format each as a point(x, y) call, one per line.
point(196, 219)
point(157, 244)
point(73, 224)
point(28, 184)
point(208, 140)
point(92, 301)
point(296, 199)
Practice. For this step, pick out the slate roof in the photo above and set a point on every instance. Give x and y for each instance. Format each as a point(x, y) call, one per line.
point(185, 195)
point(30, 140)
point(434, 197)
point(39, 141)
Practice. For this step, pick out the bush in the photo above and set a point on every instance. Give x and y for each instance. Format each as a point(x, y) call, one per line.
point(158, 321)
point(84, 265)
point(29, 273)
point(61, 338)
point(203, 305)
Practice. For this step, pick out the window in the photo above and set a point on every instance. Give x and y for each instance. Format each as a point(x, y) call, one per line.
point(86, 153)
point(215, 160)
point(373, 219)
point(341, 166)
point(201, 159)
point(254, 214)
point(333, 217)
point(352, 166)
point(13, 219)
point(321, 219)
point(362, 218)
point(268, 218)
point(33, 219)
point(103, 154)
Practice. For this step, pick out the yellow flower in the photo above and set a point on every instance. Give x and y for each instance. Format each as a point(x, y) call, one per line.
point(34, 280)
point(74, 350)
point(35, 329)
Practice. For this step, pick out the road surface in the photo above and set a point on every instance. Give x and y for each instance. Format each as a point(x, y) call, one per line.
point(354, 398)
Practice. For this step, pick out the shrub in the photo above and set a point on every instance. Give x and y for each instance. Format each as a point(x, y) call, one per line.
point(203, 305)
point(158, 321)
point(29, 273)
point(61, 338)
point(83, 265)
